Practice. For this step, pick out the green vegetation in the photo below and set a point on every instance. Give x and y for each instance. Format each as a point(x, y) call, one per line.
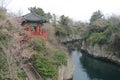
point(4, 38)
point(44, 66)
point(96, 15)
point(3, 66)
point(8, 65)
point(64, 20)
point(60, 58)
point(104, 34)
point(115, 44)
point(48, 57)
point(21, 75)
point(60, 31)
point(41, 12)
point(38, 44)
point(97, 36)
point(64, 25)
point(46, 60)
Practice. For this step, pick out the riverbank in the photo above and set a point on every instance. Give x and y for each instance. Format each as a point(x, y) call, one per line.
point(100, 52)
point(88, 68)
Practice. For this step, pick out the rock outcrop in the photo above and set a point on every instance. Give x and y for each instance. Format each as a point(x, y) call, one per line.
point(66, 72)
point(100, 52)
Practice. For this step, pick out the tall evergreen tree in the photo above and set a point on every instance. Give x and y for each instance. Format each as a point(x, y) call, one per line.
point(38, 11)
point(64, 20)
point(96, 15)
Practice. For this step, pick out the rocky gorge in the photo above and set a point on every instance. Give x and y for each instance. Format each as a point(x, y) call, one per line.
point(100, 52)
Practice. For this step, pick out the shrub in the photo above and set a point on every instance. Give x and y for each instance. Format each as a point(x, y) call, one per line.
point(60, 58)
point(100, 38)
point(86, 35)
point(44, 66)
point(115, 44)
point(3, 66)
point(47, 65)
point(38, 44)
point(97, 29)
point(60, 31)
point(47, 59)
point(21, 75)
point(98, 35)
point(4, 38)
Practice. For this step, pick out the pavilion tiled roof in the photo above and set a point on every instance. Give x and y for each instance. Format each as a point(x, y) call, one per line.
point(33, 17)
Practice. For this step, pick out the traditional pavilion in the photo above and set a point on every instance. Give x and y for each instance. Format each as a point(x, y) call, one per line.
point(32, 23)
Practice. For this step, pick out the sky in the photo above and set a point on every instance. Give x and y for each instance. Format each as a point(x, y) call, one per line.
point(80, 10)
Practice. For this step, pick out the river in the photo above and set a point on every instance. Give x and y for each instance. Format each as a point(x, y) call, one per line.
point(87, 68)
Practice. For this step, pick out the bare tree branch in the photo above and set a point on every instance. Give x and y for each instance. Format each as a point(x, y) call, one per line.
point(4, 3)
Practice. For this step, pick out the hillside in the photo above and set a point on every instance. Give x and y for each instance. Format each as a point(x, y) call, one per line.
point(18, 57)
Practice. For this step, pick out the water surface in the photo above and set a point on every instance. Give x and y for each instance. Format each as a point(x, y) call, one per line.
point(87, 68)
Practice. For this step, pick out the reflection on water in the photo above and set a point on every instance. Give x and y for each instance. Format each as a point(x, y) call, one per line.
point(87, 68)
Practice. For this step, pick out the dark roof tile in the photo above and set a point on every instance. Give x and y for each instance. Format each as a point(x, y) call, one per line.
point(33, 17)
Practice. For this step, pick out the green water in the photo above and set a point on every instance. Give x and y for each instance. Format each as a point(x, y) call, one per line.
point(87, 68)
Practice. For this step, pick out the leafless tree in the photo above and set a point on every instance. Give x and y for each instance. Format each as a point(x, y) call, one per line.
point(4, 3)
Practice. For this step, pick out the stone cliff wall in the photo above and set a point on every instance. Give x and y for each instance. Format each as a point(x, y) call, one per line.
point(66, 72)
point(100, 52)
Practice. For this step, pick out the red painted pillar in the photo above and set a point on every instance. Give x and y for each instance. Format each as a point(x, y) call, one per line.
point(36, 33)
point(29, 30)
point(40, 30)
point(37, 30)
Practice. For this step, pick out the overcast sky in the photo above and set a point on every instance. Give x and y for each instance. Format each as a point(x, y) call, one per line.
point(75, 9)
